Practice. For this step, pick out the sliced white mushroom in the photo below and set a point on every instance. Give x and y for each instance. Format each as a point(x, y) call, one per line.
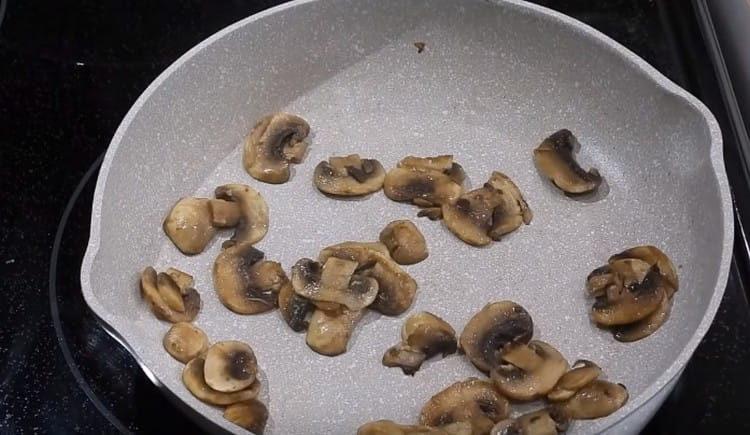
point(349, 176)
point(184, 341)
point(276, 141)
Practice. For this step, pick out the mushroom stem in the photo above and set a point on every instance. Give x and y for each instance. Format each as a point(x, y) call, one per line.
point(224, 214)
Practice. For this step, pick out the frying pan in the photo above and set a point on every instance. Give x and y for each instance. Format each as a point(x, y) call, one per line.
point(494, 79)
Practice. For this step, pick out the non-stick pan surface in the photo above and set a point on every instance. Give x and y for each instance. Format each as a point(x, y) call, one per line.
point(493, 80)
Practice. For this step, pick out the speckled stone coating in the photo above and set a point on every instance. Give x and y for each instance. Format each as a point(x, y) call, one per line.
point(494, 79)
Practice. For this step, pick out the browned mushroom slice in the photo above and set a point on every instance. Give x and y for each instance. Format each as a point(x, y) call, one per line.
point(631, 301)
point(595, 400)
point(333, 284)
point(555, 160)
point(580, 375)
point(230, 366)
point(388, 427)
point(170, 292)
point(646, 326)
point(150, 283)
point(654, 257)
point(599, 279)
point(405, 242)
point(487, 213)
point(184, 341)
point(396, 288)
point(488, 331)
point(329, 331)
point(529, 370)
point(294, 308)
point(244, 282)
point(252, 224)
point(423, 336)
point(183, 280)
point(276, 141)
point(430, 181)
point(549, 421)
point(224, 214)
point(349, 176)
point(193, 378)
point(188, 225)
point(249, 414)
point(464, 401)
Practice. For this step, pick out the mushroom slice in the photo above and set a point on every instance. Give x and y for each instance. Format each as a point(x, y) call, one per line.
point(487, 213)
point(170, 292)
point(244, 282)
point(654, 257)
point(184, 341)
point(183, 280)
point(595, 400)
point(249, 414)
point(430, 181)
point(294, 308)
point(329, 331)
point(582, 372)
point(464, 401)
point(555, 160)
point(349, 176)
point(230, 366)
point(529, 370)
point(188, 225)
point(488, 331)
point(388, 427)
point(646, 326)
point(405, 242)
point(276, 141)
point(549, 421)
point(599, 279)
point(396, 288)
point(630, 302)
point(423, 336)
point(193, 378)
point(333, 284)
point(191, 300)
point(252, 223)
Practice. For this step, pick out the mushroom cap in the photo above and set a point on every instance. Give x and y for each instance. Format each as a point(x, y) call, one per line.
point(244, 282)
point(582, 372)
point(334, 283)
point(494, 326)
point(404, 357)
point(349, 176)
point(193, 378)
point(250, 414)
point(294, 308)
point(654, 257)
point(276, 141)
point(230, 366)
point(150, 291)
point(555, 160)
point(188, 225)
point(388, 427)
point(405, 242)
point(184, 341)
point(396, 288)
point(548, 421)
point(463, 401)
point(429, 334)
point(595, 400)
point(425, 181)
point(329, 331)
point(633, 300)
point(252, 224)
point(529, 370)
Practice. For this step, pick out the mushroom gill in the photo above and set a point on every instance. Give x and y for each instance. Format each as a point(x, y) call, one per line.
point(276, 141)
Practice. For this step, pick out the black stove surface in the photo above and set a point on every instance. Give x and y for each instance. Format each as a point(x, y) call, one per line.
point(69, 73)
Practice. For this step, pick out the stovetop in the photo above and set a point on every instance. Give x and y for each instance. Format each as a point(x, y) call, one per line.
point(69, 72)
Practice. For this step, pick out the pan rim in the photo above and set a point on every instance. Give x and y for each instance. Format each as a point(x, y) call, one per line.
point(657, 78)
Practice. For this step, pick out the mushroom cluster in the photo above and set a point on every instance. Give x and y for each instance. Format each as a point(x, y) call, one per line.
point(170, 294)
point(633, 292)
point(498, 341)
point(192, 223)
point(349, 176)
point(328, 296)
point(423, 336)
point(555, 160)
point(276, 141)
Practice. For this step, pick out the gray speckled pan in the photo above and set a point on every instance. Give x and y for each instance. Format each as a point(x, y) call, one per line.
point(495, 78)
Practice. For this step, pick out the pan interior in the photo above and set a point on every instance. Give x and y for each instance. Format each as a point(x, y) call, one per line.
point(491, 83)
